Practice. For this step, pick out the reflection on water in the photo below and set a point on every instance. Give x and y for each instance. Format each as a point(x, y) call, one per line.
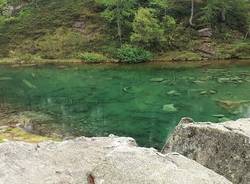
point(138, 101)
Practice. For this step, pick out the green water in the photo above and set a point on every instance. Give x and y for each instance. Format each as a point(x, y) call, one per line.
point(125, 100)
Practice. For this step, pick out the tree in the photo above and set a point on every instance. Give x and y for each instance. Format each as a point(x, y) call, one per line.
point(118, 12)
point(3, 3)
point(160, 6)
point(146, 29)
point(233, 13)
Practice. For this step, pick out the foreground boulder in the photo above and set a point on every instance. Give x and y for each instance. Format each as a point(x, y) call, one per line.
point(95, 161)
point(222, 147)
point(147, 166)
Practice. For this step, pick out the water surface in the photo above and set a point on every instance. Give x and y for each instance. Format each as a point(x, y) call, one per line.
point(142, 101)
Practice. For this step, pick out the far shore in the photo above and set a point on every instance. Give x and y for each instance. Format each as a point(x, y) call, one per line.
point(14, 62)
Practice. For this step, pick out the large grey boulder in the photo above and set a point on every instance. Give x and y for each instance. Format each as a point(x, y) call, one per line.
point(95, 161)
point(222, 147)
point(147, 166)
point(65, 162)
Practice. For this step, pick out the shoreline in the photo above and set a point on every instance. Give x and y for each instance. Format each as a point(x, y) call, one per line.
point(163, 63)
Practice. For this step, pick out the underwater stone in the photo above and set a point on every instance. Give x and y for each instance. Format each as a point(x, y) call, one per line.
point(29, 84)
point(169, 108)
point(203, 92)
point(5, 78)
point(198, 82)
point(173, 92)
point(223, 80)
point(230, 105)
point(219, 115)
point(212, 91)
point(157, 79)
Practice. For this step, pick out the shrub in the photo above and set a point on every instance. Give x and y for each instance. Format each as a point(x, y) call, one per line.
point(131, 54)
point(91, 57)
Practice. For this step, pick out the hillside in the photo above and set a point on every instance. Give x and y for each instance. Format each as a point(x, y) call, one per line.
point(54, 29)
point(59, 29)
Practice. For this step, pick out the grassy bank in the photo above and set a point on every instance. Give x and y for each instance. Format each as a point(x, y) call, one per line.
point(45, 31)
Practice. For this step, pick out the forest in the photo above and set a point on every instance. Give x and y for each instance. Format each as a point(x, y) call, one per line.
point(125, 30)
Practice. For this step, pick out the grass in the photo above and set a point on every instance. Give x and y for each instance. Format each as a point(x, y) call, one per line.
point(236, 50)
point(91, 57)
point(179, 56)
point(48, 30)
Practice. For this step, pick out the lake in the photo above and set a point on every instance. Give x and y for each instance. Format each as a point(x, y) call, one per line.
point(145, 102)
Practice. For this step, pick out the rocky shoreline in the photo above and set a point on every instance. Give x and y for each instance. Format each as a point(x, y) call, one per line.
point(196, 153)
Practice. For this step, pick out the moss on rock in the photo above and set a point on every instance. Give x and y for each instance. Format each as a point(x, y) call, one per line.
point(17, 134)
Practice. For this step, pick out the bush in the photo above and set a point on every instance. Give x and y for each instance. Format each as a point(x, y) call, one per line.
point(131, 54)
point(91, 57)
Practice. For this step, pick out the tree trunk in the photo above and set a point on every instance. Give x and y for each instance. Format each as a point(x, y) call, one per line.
point(246, 35)
point(223, 14)
point(119, 30)
point(192, 13)
point(118, 22)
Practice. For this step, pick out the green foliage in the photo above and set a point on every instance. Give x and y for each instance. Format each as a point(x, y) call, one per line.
point(131, 54)
point(118, 14)
point(233, 13)
point(147, 31)
point(91, 57)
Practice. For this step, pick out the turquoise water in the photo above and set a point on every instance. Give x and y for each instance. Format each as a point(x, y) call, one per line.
point(142, 101)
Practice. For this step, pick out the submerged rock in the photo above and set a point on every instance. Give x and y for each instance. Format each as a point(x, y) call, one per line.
point(173, 93)
point(230, 105)
point(203, 92)
point(212, 92)
point(107, 160)
point(31, 122)
point(219, 115)
point(29, 84)
point(169, 108)
point(222, 147)
point(223, 80)
point(5, 78)
point(157, 79)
